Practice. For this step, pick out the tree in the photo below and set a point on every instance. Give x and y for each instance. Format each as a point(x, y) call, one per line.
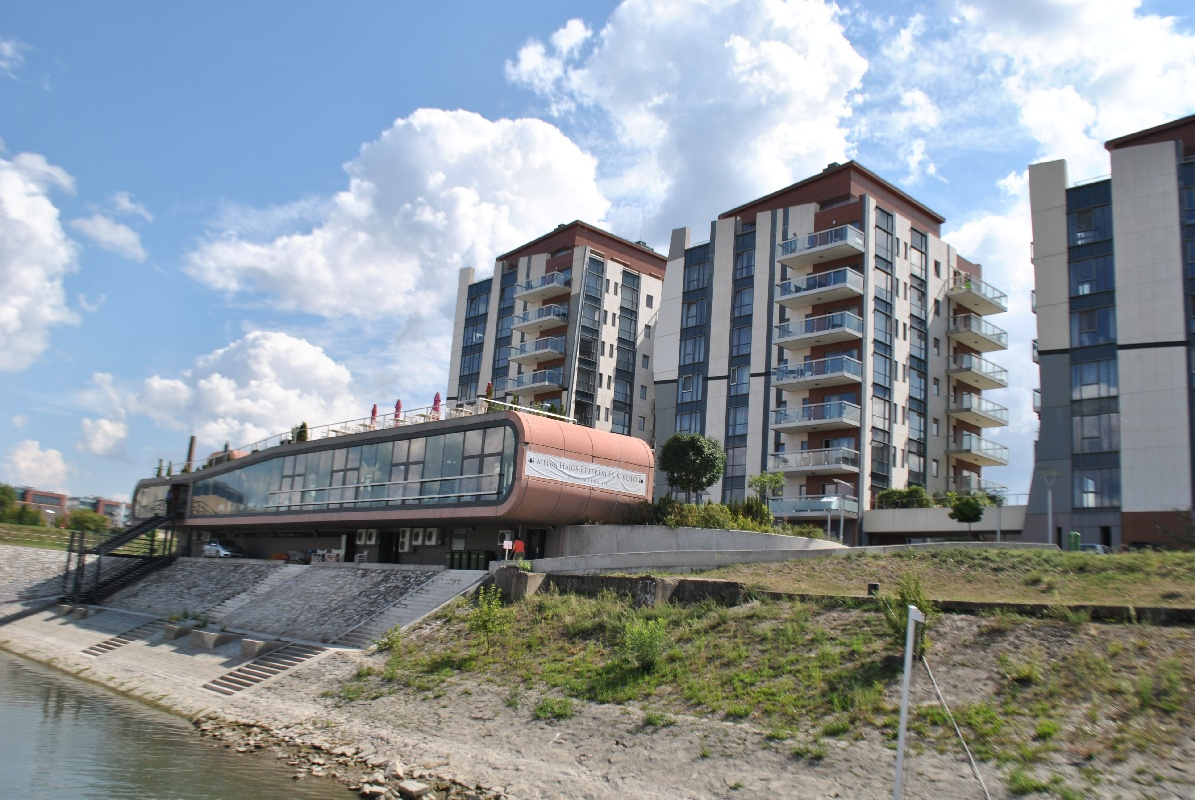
point(8, 502)
point(766, 484)
point(968, 508)
point(84, 519)
point(29, 515)
point(913, 497)
point(692, 462)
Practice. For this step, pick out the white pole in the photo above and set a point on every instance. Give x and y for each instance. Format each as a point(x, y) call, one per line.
point(1050, 512)
point(915, 616)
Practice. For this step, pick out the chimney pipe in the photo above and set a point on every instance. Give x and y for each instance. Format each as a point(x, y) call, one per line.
point(191, 454)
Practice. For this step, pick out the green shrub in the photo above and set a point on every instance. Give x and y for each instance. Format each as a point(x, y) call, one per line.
point(390, 640)
point(554, 708)
point(489, 618)
point(644, 642)
point(909, 592)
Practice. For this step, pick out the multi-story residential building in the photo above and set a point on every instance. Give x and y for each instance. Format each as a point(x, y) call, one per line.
point(1114, 261)
point(827, 333)
point(114, 510)
point(566, 322)
point(52, 504)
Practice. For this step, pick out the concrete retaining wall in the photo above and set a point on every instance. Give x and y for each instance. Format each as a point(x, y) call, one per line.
point(581, 540)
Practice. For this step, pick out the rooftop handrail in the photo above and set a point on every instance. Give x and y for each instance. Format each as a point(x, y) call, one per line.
point(962, 282)
point(826, 322)
point(842, 233)
point(976, 323)
point(844, 276)
point(561, 278)
point(835, 409)
point(818, 366)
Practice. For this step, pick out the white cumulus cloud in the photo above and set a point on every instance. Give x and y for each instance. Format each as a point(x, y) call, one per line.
point(35, 256)
point(437, 191)
point(27, 464)
point(111, 235)
point(104, 437)
point(708, 103)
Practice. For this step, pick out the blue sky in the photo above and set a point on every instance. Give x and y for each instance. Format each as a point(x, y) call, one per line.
point(224, 218)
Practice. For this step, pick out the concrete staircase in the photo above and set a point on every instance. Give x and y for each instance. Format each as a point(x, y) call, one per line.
point(141, 632)
point(414, 606)
point(280, 575)
point(263, 668)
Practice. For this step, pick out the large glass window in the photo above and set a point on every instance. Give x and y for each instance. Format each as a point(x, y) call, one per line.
point(1090, 379)
point(1093, 326)
point(743, 302)
point(736, 421)
point(1092, 275)
point(736, 462)
point(740, 380)
point(692, 350)
point(693, 313)
point(744, 264)
point(740, 341)
point(1089, 225)
point(689, 388)
point(1097, 488)
point(1095, 433)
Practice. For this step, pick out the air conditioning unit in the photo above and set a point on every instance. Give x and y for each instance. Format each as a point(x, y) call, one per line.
point(367, 536)
point(416, 537)
point(431, 537)
point(404, 540)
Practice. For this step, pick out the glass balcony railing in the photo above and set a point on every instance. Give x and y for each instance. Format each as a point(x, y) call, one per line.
point(978, 446)
point(965, 324)
point(818, 368)
point(844, 278)
point(975, 404)
point(551, 377)
point(966, 283)
point(549, 314)
point(551, 281)
point(836, 411)
point(548, 347)
point(966, 362)
point(826, 458)
point(843, 234)
point(788, 507)
point(839, 320)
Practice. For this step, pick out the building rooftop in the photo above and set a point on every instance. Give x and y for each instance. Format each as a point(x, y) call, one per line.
point(1176, 130)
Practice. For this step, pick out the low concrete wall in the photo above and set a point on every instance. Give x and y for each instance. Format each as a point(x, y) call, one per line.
point(937, 522)
point(582, 540)
point(210, 640)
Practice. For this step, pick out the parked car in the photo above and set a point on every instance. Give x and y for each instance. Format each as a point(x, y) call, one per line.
point(218, 549)
point(1099, 549)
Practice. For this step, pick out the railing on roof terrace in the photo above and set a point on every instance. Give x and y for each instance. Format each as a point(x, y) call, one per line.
point(843, 233)
point(464, 408)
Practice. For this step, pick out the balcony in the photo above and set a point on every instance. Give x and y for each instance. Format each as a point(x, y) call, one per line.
point(816, 417)
point(813, 507)
point(975, 295)
point(544, 380)
point(823, 287)
point(976, 410)
point(977, 333)
point(553, 283)
point(804, 251)
point(841, 326)
point(538, 319)
point(977, 372)
point(977, 450)
point(1037, 402)
point(971, 484)
point(1036, 352)
point(533, 352)
point(828, 461)
point(833, 371)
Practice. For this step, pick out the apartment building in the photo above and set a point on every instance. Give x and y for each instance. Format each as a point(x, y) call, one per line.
point(827, 333)
point(565, 321)
point(1114, 261)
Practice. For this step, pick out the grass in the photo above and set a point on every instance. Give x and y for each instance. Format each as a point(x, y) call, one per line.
point(1021, 576)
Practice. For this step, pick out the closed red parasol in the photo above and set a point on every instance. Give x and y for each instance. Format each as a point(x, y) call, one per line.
point(436, 406)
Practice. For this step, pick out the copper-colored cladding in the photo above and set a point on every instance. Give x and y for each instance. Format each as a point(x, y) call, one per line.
point(531, 500)
point(1182, 130)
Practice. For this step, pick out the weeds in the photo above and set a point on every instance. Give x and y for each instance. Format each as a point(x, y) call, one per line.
point(554, 708)
point(390, 640)
point(644, 642)
point(490, 619)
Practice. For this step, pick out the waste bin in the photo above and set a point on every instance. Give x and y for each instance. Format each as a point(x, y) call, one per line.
point(448, 560)
point(1076, 542)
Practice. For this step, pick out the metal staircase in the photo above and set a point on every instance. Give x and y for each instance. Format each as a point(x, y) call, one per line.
point(98, 564)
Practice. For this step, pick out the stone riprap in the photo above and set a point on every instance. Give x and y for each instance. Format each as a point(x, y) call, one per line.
point(191, 586)
point(30, 571)
point(323, 603)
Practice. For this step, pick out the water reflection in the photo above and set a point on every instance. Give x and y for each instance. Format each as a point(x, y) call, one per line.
point(60, 737)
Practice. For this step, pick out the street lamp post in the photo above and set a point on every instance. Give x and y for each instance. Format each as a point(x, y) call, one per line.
point(1049, 476)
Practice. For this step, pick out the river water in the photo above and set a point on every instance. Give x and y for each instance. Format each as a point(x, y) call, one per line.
point(64, 738)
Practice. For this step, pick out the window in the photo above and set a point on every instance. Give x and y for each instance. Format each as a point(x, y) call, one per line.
point(934, 427)
point(736, 421)
point(697, 276)
point(743, 301)
point(1089, 225)
point(744, 264)
point(937, 308)
point(692, 350)
point(736, 462)
point(646, 331)
point(693, 313)
point(649, 301)
point(937, 387)
point(1091, 275)
point(1097, 488)
point(642, 423)
point(740, 380)
point(1095, 433)
point(1090, 379)
point(740, 341)
point(621, 423)
point(642, 392)
point(643, 361)
point(937, 274)
point(688, 388)
point(934, 466)
point(689, 422)
point(937, 346)
point(1093, 326)
point(605, 317)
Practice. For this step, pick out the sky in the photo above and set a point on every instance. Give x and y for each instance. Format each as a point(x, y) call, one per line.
point(225, 218)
